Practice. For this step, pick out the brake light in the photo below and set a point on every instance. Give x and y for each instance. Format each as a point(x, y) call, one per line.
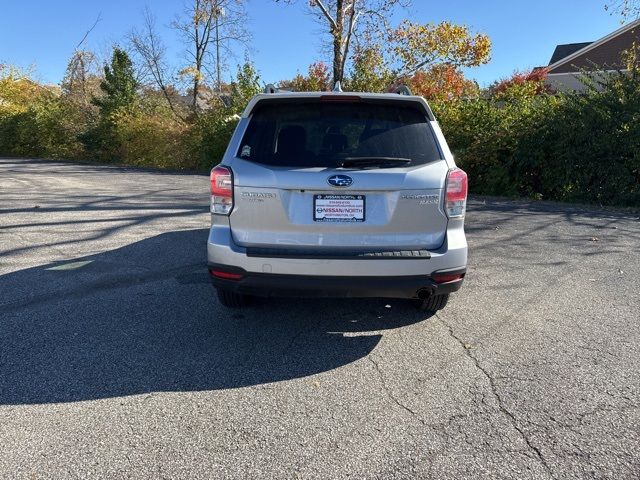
point(221, 190)
point(456, 193)
point(340, 98)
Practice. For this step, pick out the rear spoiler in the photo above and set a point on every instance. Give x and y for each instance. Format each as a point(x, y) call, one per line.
point(284, 97)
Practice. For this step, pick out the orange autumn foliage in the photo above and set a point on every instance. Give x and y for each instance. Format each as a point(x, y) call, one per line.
point(442, 82)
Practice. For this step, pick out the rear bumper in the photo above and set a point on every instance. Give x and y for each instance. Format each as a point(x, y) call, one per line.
point(451, 255)
point(387, 276)
point(268, 285)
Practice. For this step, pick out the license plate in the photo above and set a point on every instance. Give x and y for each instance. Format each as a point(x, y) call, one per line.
point(338, 208)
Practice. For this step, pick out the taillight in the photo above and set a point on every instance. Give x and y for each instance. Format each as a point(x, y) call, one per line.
point(221, 190)
point(225, 275)
point(456, 193)
point(447, 277)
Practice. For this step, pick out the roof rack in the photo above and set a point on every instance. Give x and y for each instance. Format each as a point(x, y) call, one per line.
point(271, 88)
point(402, 90)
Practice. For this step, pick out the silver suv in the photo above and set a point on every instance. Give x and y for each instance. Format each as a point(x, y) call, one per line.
point(338, 194)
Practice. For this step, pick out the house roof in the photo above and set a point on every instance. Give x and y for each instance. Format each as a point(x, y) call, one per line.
point(563, 51)
point(590, 46)
point(204, 98)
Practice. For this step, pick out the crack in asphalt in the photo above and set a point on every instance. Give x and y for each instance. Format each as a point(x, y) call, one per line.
point(433, 426)
point(509, 415)
point(390, 394)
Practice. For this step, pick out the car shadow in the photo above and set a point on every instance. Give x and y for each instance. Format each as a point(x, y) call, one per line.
point(144, 318)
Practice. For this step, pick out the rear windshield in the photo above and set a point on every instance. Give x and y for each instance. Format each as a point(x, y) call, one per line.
point(324, 134)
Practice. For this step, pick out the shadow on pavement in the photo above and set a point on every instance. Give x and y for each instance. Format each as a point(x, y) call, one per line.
point(144, 318)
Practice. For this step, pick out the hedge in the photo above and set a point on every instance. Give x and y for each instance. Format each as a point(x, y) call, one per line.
point(569, 147)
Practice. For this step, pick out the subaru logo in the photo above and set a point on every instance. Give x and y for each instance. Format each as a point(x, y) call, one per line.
point(340, 180)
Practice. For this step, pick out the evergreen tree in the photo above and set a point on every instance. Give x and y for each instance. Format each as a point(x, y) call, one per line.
point(119, 85)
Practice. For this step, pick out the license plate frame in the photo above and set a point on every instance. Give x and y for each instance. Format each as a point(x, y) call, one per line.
point(339, 201)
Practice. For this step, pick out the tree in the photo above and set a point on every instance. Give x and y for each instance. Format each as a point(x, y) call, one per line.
point(522, 84)
point(442, 82)
point(344, 19)
point(119, 86)
point(369, 72)
point(17, 89)
point(245, 86)
point(81, 81)
point(213, 128)
point(404, 50)
point(316, 80)
point(148, 45)
point(415, 46)
point(628, 9)
point(221, 22)
point(426, 57)
point(79, 86)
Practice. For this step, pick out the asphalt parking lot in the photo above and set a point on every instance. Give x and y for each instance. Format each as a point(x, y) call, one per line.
point(116, 360)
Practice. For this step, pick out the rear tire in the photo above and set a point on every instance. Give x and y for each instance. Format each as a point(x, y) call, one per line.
point(231, 299)
point(432, 304)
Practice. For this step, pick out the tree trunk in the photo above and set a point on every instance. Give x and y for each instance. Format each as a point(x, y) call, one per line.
point(196, 85)
point(337, 43)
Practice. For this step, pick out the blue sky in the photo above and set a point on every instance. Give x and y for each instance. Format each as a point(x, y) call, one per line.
point(43, 33)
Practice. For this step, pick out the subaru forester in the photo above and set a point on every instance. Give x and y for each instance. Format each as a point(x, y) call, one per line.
point(336, 194)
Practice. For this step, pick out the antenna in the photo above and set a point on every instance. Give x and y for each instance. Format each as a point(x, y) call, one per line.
point(337, 87)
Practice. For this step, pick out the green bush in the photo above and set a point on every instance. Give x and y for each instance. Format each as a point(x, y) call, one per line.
point(598, 141)
point(515, 140)
point(210, 135)
point(43, 129)
point(576, 147)
point(153, 138)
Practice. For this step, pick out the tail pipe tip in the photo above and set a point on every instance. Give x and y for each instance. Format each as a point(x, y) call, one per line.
point(425, 292)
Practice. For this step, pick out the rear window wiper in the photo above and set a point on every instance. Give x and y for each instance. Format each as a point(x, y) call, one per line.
point(379, 162)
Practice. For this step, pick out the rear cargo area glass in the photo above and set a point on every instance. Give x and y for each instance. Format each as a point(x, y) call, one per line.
point(317, 134)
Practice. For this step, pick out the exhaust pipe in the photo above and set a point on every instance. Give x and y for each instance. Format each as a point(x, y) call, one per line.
point(424, 293)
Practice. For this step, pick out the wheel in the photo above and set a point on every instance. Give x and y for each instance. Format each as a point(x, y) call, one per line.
point(433, 304)
point(231, 299)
